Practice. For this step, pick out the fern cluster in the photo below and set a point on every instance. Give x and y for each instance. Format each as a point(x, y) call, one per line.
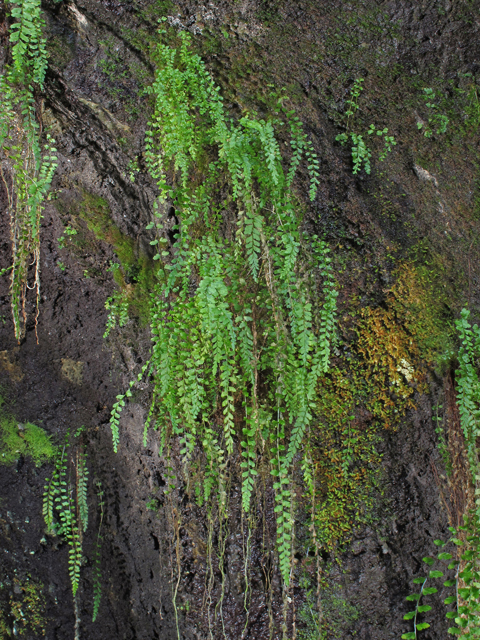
point(361, 154)
point(468, 393)
point(65, 511)
point(26, 168)
point(466, 579)
point(238, 343)
point(63, 508)
point(464, 582)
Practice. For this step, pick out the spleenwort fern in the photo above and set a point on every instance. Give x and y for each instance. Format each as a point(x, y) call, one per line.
point(233, 319)
point(466, 579)
point(82, 483)
point(468, 392)
point(68, 525)
point(26, 169)
point(65, 509)
point(361, 154)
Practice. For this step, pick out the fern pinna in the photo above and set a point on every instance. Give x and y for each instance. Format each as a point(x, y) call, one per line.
point(239, 337)
point(26, 169)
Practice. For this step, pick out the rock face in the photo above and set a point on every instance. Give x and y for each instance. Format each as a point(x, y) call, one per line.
point(422, 205)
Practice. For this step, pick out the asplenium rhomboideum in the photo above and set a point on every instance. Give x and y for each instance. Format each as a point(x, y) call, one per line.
point(242, 316)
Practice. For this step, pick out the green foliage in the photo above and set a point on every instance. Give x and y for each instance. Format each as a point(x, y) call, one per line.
point(67, 233)
point(233, 317)
point(26, 440)
point(337, 615)
point(361, 154)
point(352, 102)
point(468, 393)
point(26, 169)
point(388, 140)
point(117, 307)
point(467, 573)
point(436, 120)
point(462, 564)
point(28, 52)
point(65, 510)
point(27, 608)
point(472, 108)
point(59, 500)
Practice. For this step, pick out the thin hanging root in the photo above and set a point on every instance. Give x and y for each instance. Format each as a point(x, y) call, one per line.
point(269, 607)
point(285, 603)
point(317, 553)
point(247, 554)
point(176, 527)
point(222, 542)
point(211, 576)
point(77, 617)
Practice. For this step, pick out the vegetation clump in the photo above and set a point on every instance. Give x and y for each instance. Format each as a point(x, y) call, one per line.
point(27, 440)
point(238, 338)
point(26, 169)
point(25, 613)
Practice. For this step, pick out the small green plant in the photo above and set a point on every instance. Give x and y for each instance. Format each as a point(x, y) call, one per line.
point(464, 582)
point(62, 499)
point(152, 504)
point(67, 233)
point(133, 169)
point(437, 121)
point(352, 102)
point(117, 307)
point(468, 393)
point(28, 440)
point(472, 109)
point(389, 141)
point(361, 154)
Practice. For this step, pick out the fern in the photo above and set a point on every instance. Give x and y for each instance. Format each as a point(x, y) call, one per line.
point(29, 52)
point(65, 508)
point(468, 392)
point(82, 485)
point(26, 169)
point(233, 323)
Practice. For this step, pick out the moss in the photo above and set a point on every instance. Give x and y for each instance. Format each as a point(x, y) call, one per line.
point(26, 440)
point(96, 213)
point(136, 277)
point(60, 51)
point(338, 617)
point(28, 608)
point(345, 461)
point(156, 10)
point(387, 352)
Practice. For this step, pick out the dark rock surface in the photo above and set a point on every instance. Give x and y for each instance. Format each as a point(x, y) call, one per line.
point(98, 113)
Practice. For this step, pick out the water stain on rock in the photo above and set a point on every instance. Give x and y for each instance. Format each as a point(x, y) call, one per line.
point(12, 368)
point(72, 370)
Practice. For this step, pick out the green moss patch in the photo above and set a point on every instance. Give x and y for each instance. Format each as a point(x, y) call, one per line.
point(28, 440)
